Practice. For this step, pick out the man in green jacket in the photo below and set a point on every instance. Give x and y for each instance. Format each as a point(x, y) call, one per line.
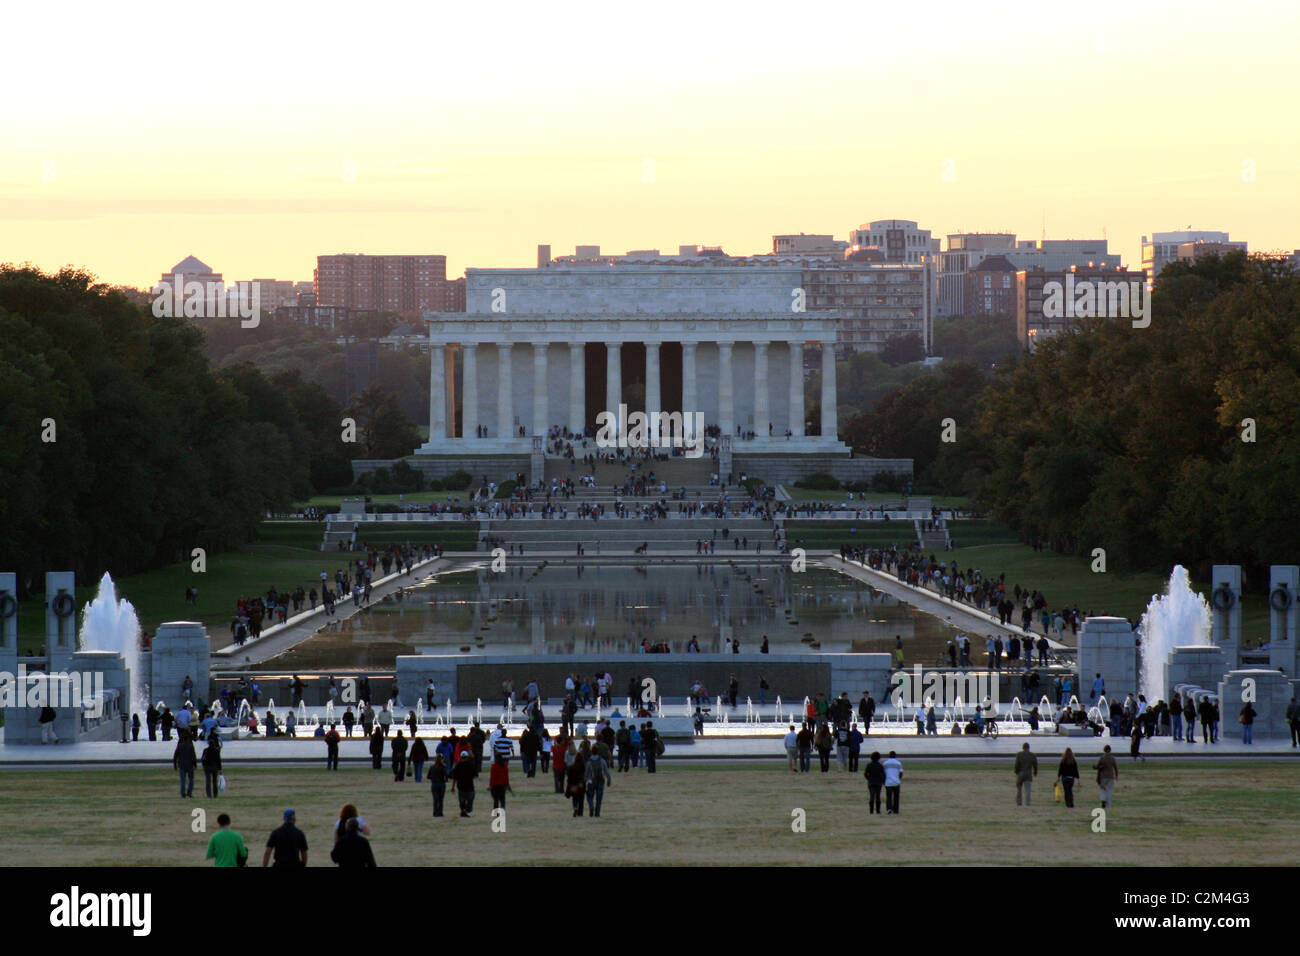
point(226, 846)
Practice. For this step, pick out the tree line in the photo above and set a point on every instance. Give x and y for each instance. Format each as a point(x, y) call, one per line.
point(123, 448)
point(1179, 442)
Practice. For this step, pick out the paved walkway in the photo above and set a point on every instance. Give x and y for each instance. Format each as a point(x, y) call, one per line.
point(279, 638)
point(957, 613)
point(306, 750)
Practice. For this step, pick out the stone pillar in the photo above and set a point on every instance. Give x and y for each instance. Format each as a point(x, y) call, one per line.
point(726, 410)
point(1225, 606)
point(505, 393)
point(762, 416)
point(689, 401)
point(653, 402)
point(1268, 691)
point(469, 399)
point(9, 622)
point(437, 394)
point(796, 389)
point(541, 414)
point(60, 619)
point(1283, 612)
point(1107, 646)
point(614, 383)
point(829, 399)
point(451, 392)
point(577, 387)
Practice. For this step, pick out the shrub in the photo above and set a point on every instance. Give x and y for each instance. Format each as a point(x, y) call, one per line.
point(819, 481)
point(457, 481)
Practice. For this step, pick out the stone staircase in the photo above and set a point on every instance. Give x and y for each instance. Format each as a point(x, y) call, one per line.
point(932, 541)
point(625, 535)
point(336, 531)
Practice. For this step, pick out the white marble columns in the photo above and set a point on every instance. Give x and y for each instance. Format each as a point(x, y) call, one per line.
point(653, 402)
point(541, 415)
point(769, 392)
point(796, 390)
point(505, 394)
point(614, 381)
point(577, 387)
point(726, 406)
point(829, 399)
point(690, 401)
point(469, 398)
point(437, 393)
point(762, 412)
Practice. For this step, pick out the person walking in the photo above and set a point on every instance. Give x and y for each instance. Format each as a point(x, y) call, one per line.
point(597, 776)
point(652, 744)
point(823, 742)
point(418, 756)
point(1247, 719)
point(792, 749)
point(352, 850)
point(1026, 770)
point(893, 783)
point(376, 749)
point(212, 767)
point(287, 843)
point(332, 748)
point(1107, 774)
point(462, 782)
point(576, 777)
point(1206, 712)
point(399, 757)
point(1189, 715)
point(875, 774)
point(559, 761)
point(855, 747)
point(226, 847)
point(1067, 772)
point(499, 782)
point(438, 783)
point(1293, 721)
point(185, 760)
point(805, 743)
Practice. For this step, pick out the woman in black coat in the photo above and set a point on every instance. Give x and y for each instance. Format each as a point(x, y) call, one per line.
point(377, 749)
point(1067, 772)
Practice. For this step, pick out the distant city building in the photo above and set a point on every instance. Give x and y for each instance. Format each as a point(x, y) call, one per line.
point(967, 250)
point(808, 245)
point(1032, 324)
point(307, 312)
point(1161, 248)
point(899, 240)
point(280, 292)
point(191, 269)
point(876, 299)
point(402, 284)
point(991, 288)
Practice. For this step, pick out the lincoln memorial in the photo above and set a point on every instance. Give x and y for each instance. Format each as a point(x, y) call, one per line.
point(554, 347)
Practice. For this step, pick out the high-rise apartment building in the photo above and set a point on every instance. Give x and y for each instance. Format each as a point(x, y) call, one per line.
point(382, 283)
point(899, 240)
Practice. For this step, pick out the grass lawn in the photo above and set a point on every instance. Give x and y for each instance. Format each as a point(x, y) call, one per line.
point(874, 497)
point(1165, 814)
point(285, 556)
point(1065, 579)
point(411, 497)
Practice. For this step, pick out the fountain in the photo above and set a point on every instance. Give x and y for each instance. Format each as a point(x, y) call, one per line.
point(303, 719)
point(1178, 618)
point(478, 711)
point(109, 624)
point(241, 717)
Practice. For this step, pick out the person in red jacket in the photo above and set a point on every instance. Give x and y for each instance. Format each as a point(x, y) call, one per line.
point(558, 750)
point(499, 782)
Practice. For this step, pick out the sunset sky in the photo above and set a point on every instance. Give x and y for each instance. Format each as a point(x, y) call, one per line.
point(136, 134)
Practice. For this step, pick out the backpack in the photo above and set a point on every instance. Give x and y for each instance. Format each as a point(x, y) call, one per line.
point(659, 746)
